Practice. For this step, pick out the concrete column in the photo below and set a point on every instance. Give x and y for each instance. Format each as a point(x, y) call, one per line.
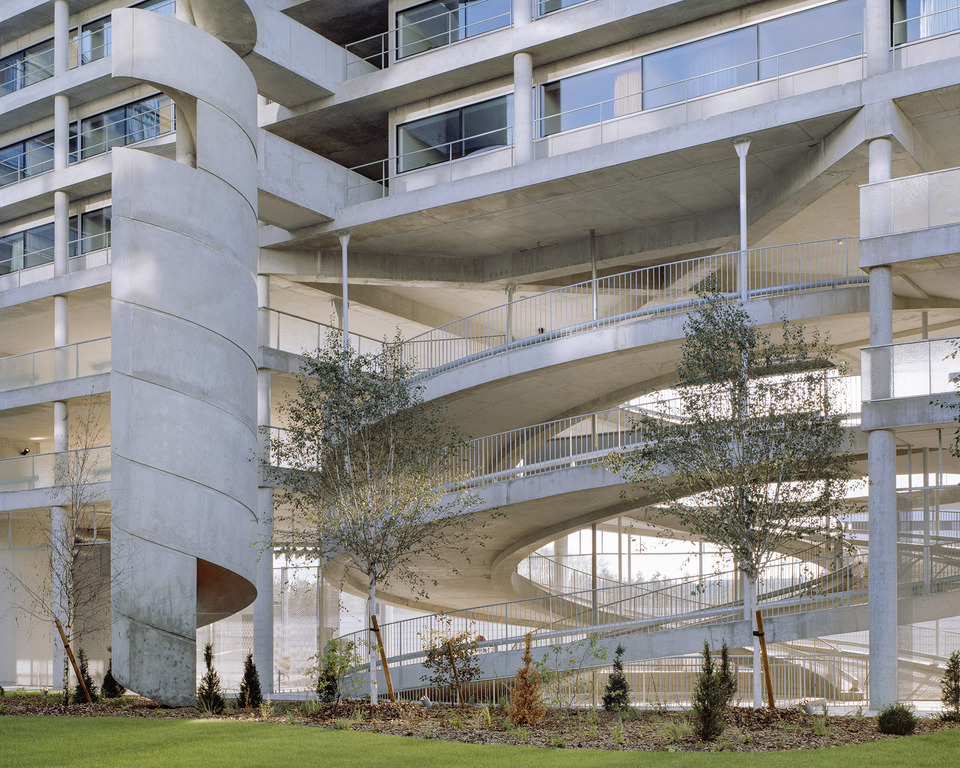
point(61, 36)
point(522, 108)
point(263, 605)
point(522, 12)
point(61, 233)
point(882, 464)
point(61, 132)
point(61, 337)
point(186, 144)
point(877, 37)
point(742, 146)
point(511, 290)
point(345, 289)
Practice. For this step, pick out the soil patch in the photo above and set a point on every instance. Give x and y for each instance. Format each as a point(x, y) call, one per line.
point(747, 730)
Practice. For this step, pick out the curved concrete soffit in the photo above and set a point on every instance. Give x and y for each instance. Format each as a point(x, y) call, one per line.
point(176, 56)
point(230, 21)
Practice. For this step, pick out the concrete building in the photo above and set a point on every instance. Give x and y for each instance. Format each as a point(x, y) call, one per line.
point(531, 190)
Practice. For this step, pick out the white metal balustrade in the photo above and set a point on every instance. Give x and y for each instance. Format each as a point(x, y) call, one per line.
point(649, 292)
point(298, 335)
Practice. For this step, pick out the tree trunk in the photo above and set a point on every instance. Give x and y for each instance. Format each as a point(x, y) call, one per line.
point(371, 610)
point(750, 612)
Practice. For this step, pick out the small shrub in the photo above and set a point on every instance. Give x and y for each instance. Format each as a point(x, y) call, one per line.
point(266, 709)
point(250, 695)
point(455, 722)
point(950, 688)
point(526, 707)
point(678, 730)
point(333, 665)
point(897, 719)
point(503, 702)
point(482, 716)
point(443, 648)
point(111, 689)
point(84, 664)
point(2, 692)
point(558, 742)
point(728, 678)
point(209, 694)
point(709, 699)
point(343, 724)
point(616, 696)
point(618, 737)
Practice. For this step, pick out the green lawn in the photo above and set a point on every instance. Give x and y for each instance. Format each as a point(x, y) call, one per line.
point(47, 742)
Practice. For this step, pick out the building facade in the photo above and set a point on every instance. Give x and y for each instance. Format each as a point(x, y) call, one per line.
point(532, 191)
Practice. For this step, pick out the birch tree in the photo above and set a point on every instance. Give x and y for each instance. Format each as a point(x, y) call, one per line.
point(76, 583)
point(368, 474)
point(751, 451)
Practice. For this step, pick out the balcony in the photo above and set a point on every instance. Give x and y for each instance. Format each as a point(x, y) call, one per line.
point(73, 361)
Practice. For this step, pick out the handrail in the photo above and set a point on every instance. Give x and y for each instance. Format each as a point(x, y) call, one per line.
point(648, 292)
point(541, 10)
point(43, 70)
point(384, 54)
point(71, 361)
point(903, 26)
point(541, 134)
point(910, 368)
point(296, 334)
point(380, 172)
point(43, 470)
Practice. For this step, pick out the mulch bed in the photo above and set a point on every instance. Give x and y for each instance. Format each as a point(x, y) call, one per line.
point(747, 730)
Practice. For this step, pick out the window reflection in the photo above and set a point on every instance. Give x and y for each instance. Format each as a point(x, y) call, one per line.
point(458, 133)
point(437, 24)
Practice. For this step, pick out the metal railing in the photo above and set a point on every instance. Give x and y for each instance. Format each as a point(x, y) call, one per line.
point(910, 368)
point(16, 266)
point(47, 470)
point(649, 292)
point(299, 335)
point(543, 8)
point(787, 589)
point(377, 52)
point(742, 75)
point(26, 71)
point(86, 358)
point(13, 175)
point(944, 21)
point(133, 131)
point(84, 53)
point(380, 172)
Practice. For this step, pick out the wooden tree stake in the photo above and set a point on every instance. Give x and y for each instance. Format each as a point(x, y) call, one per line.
point(766, 661)
point(73, 661)
point(383, 656)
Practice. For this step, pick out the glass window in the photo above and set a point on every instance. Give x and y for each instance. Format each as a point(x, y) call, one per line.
point(918, 19)
point(437, 24)
point(11, 253)
point(458, 133)
point(95, 230)
point(699, 68)
point(811, 38)
point(26, 67)
point(145, 119)
point(163, 7)
point(38, 154)
point(590, 98)
point(11, 163)
point(38, 63)
point(549, 6)
point(90, 42)
point(38, 246)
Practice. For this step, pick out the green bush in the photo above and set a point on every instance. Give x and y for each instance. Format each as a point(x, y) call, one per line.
point(950, 688)
point(338, 657)
point(709, 699)
point(250, 695)
point(728, 678)
point(616, 696)
point(111, 689)
point(209, 694)
point(84, 664)
point(897, 719)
